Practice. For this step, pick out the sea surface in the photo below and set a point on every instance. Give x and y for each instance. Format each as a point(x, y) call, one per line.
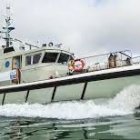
point(116, 118)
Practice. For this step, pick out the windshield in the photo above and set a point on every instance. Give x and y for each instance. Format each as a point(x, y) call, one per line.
point(50, 57)
point(63, 58)
point(36, 58)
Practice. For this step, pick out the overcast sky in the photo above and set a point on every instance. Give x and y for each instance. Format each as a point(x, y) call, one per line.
point(86, 26)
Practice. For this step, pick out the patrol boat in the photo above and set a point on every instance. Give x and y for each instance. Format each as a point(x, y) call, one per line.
point(50, 74)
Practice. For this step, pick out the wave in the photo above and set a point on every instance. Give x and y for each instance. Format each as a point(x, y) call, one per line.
point(123, 104)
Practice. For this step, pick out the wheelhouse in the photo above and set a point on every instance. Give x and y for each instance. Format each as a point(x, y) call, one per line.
point(46, 57)
point(35, 64)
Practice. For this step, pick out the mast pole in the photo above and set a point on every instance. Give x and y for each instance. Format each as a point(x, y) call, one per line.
point(7, 20)
point(7, 28)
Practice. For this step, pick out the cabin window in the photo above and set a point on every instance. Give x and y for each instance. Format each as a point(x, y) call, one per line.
point(32, 59)
point(36, 58)
point(28, 60)
point(63, 58)
point(50, 57)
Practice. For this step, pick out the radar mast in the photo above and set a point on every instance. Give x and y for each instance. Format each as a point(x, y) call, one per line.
point(7, 28)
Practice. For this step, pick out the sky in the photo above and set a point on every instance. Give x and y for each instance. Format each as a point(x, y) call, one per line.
point(87, 27)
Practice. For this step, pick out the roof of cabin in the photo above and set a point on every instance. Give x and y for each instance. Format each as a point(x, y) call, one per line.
point(24, 52)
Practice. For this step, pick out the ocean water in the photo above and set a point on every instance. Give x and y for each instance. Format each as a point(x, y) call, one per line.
point(116, 118)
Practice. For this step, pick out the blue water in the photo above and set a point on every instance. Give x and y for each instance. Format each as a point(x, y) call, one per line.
point(115, 118)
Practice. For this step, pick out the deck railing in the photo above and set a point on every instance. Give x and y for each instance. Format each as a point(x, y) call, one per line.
point(91, 66)
point(136, 60)
point(102, 62)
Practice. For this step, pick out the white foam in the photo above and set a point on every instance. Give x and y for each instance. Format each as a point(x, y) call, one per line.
point(128, 99)
point(124, 103)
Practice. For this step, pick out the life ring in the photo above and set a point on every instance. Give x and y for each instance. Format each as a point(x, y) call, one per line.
point(79, 65)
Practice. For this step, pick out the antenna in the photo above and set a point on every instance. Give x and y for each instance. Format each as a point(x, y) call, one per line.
point(7, 28)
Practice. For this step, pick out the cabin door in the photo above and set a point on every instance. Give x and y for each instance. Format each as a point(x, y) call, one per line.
point(16, 65)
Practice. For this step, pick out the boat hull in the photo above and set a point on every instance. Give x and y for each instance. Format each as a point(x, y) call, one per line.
point(105, 84)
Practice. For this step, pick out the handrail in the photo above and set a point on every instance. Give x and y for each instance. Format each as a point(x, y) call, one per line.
point(136, 57)
point(135, 61)
point(103, 62)
point(106, 54)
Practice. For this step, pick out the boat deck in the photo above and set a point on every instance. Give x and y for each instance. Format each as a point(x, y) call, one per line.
point(104, 62)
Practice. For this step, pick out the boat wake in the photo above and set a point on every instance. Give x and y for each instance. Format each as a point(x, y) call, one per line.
point(123, 104)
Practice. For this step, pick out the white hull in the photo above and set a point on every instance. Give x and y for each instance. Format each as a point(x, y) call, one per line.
point(101, 84)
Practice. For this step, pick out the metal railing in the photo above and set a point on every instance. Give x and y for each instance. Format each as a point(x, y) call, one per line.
point(105, 65)
point(136, 60)
point(102, 62)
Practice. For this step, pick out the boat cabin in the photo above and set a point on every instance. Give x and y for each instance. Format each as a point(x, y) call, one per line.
point(33, 65)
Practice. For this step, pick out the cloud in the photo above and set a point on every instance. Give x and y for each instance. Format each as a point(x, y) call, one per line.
point(85, 26)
